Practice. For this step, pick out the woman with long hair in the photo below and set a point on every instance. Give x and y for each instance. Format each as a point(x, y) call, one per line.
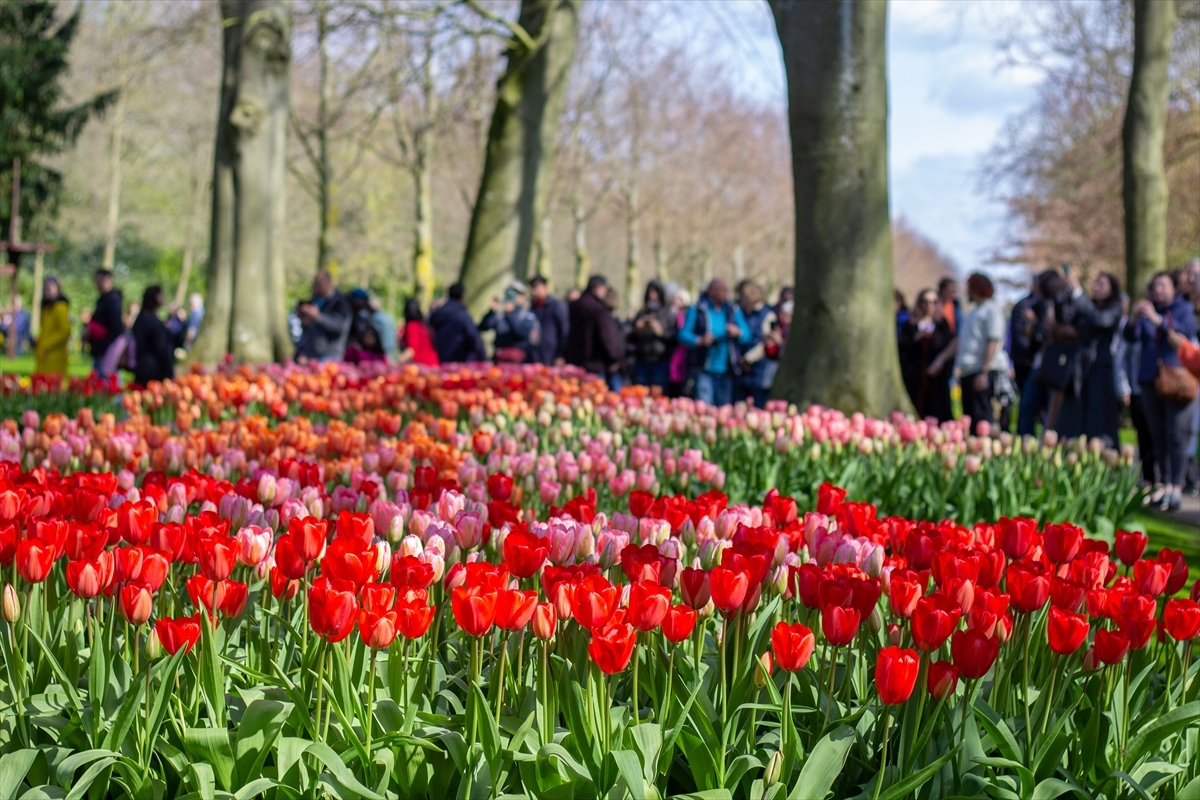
point(50, 350)
point(154, 345)
point(415, 343)
point(924, 338)
point(1089, 404)
point(980, 356)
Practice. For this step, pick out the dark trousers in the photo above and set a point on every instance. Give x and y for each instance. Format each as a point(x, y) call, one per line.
point(1170, 428)
point(1145, 440)
point(978, 404)
point(1034, 398)
point(650, 374)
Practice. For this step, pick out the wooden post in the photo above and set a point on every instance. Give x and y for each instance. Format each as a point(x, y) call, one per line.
point(10, 336)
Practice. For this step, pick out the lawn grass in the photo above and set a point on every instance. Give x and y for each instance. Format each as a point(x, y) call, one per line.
point(79, 366)
point(1168, 532)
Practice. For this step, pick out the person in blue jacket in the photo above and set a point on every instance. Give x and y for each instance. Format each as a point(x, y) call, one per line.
point(1150, 324)
point(714, 331)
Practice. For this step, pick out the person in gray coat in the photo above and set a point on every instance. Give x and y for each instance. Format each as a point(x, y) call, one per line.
point(324, 322)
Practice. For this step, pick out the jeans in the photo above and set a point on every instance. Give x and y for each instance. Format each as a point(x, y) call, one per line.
point(616, 382)
point(1034, 398)
point(978, 404)
point(1145, 439)
point(651, 374)
point(714, 388)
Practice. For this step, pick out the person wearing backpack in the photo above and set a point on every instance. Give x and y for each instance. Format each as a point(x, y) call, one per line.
point(153, 345)
point(714, 331)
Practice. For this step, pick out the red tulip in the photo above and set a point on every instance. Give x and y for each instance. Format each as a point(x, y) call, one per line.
point(1016, 536)
point(545, 620)
point(679, 623)
point(694, 587)
point(1177, 564)
point(1110, 646)
point(1138, 630)
point(86, 578)
point(1061, 542)
point(933, 620)
point(136, 521)
point(973, 653)
point(499, 486)
point(895, 674)
point(839, 624)
point(8, 541)
point(347, 560)
point(642, 563)
point(1066, 594)
point(648, 604)
point(640, 503)
point(309, 535)
point(942, 679)
point(514, 608)
point(287, 561)
point(1150, 577)
point(413, 619)
point(1130, 546)
point(234, 600)
point(612, 647)
point(525, 552)
point(136, 603)
point(807, 579)
point(1181, 619)
point(377, 630)
point(474, 608)
point(595, 602)
point(729, 587)
point(829, 498)
point(1195, 593)
point(359, 528)
point(377, 597)
point(218, 556)
point(792, 645)
point(903, 596)
point(410, 571)
point(179, 633)
point(332, 608)
point(34, 560)
point(1028, 587)
point(1066, 631)
point(283, 587)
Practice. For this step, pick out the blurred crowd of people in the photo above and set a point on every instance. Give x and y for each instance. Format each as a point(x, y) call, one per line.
point(1068, 359)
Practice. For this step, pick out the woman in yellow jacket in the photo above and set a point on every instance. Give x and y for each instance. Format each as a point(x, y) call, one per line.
point(51, 348)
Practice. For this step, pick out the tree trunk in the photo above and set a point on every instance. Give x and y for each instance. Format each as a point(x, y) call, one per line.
point(530, 96)
point(189, 241)
point(326, 187)
point(583, 261)
point(660, 259)
point(1145, 179)
point(843, 352)
point(739, 263)
point(245, 313)
point(114, 182)
point(423, 144)
point(632, 268)
point(35, 310)
point(542, 257)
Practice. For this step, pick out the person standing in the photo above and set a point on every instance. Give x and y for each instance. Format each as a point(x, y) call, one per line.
point(553, 322)
point(757, 371)
point(594, 341)
point(154, 345)
point(653, 334)
point(195, 318)
point(1089, 405)
point(415, 343)
point(902, 312)
point(106, 324)
point(926, 358)
point(324, 322)
point(677, 370)
point(50, 349)
point(951, 308)
point(1027, 326)
point(713, 331)
point(516, 327)
point(1168, 408)
point(370, 322)
point(1127, 359)
point(980, 356)
point(455, 335)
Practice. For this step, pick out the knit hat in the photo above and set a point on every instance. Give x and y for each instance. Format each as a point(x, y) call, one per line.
point(515, 289)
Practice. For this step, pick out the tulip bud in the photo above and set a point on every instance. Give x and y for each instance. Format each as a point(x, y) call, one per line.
point(545, 619)
point(12, 604)
point(875, 620)
point(895, 635)
point(765, 667)
point(1091, 662)
point(773, 770)
point(154, 648)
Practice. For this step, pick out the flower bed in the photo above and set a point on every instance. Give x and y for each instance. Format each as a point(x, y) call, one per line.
point(512, 583)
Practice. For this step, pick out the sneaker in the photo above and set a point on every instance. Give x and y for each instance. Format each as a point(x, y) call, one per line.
point(1173, 501)
point(1154, 498)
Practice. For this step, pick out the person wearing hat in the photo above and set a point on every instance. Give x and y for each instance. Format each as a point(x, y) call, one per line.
point(372, 329)
point(324, 322)
point(516, 327)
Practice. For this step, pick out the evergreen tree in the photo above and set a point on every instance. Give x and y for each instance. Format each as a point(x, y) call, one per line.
point(33, 122)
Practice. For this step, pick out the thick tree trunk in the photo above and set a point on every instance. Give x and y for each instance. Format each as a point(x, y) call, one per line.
point(245, 313)
point(542, 263)
point(189, 241)
point(327, 189)
point(35, 310)
point(114, 183)
point(423, 278)
point(1145, 179)
point(530, 96)
point(583, 261)
point(843, 338)
point(739, 263)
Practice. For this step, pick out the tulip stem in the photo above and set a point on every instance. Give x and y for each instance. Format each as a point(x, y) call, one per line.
point(1185, 677)
point(787, 713)
point(146, 752)
point(666, 712)
point(1025, 691)
point(829, 701)
point(547, 731)
point(500, 678)
point(320, 691)
point(724, 700)
point(1050, 697)
point(369, 722)
point(1125, 697)
point(887, 722)
point(633, 689)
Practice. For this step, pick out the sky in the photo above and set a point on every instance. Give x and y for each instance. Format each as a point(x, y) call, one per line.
point(950, 93)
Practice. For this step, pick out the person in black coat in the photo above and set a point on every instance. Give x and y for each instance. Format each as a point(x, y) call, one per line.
point(154, 345)
point(595, 341)
point(924, 338)
point(1089, 404)
point(324, 321)
point(552, 320)
point(455, 336)
point(107, 323)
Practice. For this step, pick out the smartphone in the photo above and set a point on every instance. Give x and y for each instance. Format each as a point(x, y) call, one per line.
point(1066, 268)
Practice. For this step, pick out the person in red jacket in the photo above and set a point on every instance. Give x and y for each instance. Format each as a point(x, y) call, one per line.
point(1189, 354)
point(415, 344)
